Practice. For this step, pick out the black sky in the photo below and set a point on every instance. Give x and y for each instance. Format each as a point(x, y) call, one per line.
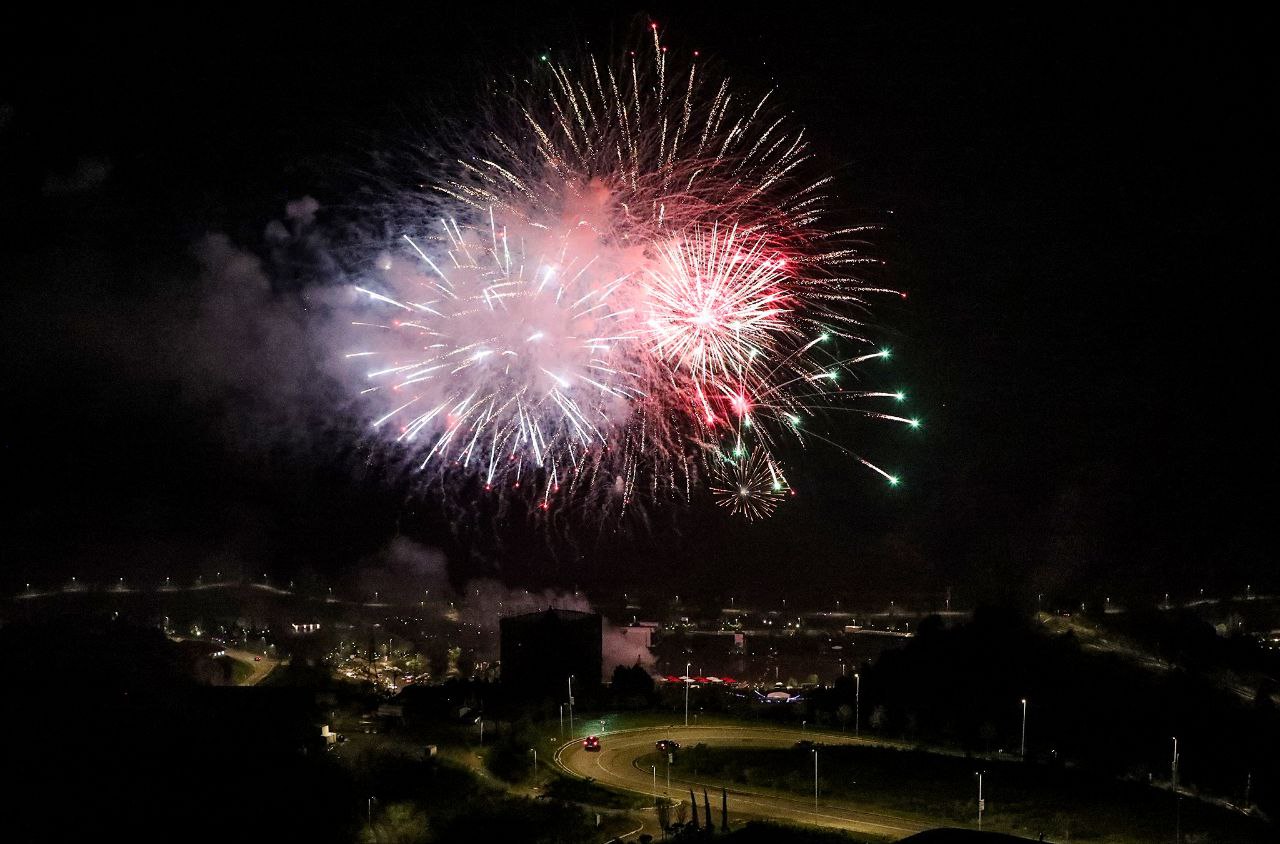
point(1072, 200)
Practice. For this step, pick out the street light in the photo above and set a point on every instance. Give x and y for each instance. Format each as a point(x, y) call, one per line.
point(815, 778)
point(655, 785)
point(857, 705)
point(535, 761)
point(1174, 774)
point(687, 681)
point(1024, 728)
point(570, 704)
point(982, 804)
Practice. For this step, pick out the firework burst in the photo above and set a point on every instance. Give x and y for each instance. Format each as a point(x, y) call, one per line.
point(751, 485)
point(623, 276)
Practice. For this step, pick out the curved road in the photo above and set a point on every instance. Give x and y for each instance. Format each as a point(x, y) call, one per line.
point(616, 765)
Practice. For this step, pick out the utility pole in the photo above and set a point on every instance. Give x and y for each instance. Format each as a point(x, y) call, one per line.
point(571, 703)
point(562, 720)
point(1174, 769)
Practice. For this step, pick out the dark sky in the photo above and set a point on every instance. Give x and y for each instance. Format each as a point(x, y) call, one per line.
point(1071, 200)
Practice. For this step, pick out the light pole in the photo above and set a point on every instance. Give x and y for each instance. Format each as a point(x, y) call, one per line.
point(655, 785)
point(535, 762)
point(857, 705)
point(687, 666)
point(562, 720)
point(982, 804)
point(1174, 774)
point(815, 778)
point(571, 704)
point(1024, 728)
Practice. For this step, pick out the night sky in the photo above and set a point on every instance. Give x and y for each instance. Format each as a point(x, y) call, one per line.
point(1073, 203)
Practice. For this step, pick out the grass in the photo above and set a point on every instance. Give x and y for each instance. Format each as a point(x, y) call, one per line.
point(574, 790)
point(1022, 799)
point(241, 671)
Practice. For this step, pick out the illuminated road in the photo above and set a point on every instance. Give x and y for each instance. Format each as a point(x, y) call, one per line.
point(617, 765)
point(264, 666)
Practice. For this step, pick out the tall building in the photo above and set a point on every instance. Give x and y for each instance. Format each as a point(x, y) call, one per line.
point(541, 650)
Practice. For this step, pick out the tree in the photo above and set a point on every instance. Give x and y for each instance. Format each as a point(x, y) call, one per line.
point(664, 814)
point(466, 663)
point(844, 712)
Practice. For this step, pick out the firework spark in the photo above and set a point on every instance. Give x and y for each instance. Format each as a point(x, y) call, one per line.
point(626, 278)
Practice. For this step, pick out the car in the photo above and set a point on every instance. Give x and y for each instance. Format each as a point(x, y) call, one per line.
point(257, 659)
point(667, 745)
point(591, 743)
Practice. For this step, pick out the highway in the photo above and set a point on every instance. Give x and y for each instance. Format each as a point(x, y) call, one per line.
point(616, 765)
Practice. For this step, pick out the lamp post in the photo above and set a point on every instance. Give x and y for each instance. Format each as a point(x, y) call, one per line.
point(535, 761)
point(1024, 728)
point(570, 703)
point(815, 778)
point(982, 804)
point(655, 785)
point(687, 666)
point(857, 705)
point(562, 720)
point(1174, 773)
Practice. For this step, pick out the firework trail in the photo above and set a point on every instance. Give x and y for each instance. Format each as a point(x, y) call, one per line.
point(619, 290)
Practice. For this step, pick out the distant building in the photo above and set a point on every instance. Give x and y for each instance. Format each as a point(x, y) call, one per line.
point(541, 650)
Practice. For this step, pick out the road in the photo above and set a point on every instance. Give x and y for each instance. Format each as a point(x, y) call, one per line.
point(616, 765)
point(264, 666)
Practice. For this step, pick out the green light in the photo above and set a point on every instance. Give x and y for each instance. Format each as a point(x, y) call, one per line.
point(737, 451)
point(886, 353)
point(777, 486)
point(900, 396)
point(894, 480)
point(914, 423)
point(833, 375)
point(823, 336)
point(543, 57)
point(794, 420)
point(746, 420)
